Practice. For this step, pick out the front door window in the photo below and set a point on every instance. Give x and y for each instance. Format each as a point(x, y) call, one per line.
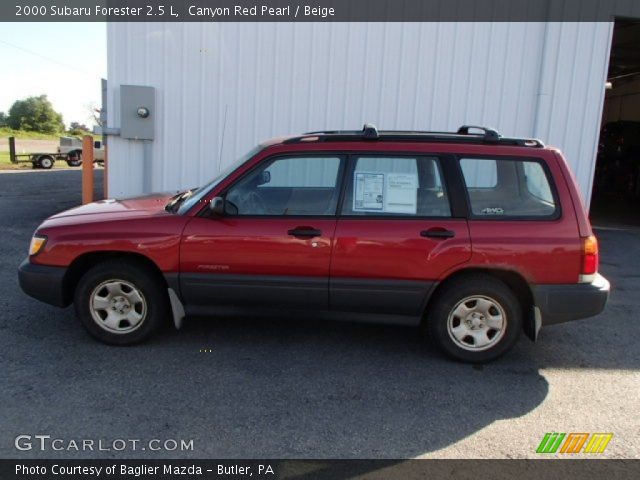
point(288, 186)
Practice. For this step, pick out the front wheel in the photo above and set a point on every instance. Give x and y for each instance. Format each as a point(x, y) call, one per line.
point(475, 319)
point(120, 303)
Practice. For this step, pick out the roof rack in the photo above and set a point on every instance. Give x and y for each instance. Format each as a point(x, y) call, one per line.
point(490, 135)
point(463, 135)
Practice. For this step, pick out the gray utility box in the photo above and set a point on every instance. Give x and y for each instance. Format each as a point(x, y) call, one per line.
point(137, 112)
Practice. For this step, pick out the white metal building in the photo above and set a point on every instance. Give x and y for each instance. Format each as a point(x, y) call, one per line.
point(223, 87)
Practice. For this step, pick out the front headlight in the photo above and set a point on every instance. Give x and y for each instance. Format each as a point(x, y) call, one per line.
point(37, 242)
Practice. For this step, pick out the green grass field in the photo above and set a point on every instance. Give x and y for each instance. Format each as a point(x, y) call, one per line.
point(24, 135)
point(21, 134)
point(4, 158)
point(5, 164)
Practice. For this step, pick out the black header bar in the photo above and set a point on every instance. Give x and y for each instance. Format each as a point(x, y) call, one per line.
point(316, 10)
point(583, 469)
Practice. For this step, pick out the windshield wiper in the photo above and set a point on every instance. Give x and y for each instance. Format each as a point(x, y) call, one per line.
point(176, 200)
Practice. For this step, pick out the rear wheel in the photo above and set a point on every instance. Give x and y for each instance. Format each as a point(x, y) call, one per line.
point(46, 162)
point(74, 158)
point(476, 319)
point(120, 303)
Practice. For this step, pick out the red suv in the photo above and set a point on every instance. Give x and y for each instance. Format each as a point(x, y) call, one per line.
point(471, 235)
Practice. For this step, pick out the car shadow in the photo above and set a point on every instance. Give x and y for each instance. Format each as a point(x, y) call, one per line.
point(258, 388)
point(342, 390)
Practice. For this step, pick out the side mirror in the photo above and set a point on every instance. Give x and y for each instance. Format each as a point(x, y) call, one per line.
point(97, 144)
point(265, 177)
point(217, 206)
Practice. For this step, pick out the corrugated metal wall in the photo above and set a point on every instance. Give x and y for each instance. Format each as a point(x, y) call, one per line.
point(253, 81)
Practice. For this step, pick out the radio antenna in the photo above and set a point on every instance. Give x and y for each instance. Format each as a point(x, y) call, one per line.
point(224, 127)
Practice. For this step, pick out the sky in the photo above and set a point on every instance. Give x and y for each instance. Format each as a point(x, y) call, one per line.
point(65, 61)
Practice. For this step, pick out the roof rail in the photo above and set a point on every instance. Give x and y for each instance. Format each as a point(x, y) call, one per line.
point(490, 135)
point(462, 135)
point(369, 131)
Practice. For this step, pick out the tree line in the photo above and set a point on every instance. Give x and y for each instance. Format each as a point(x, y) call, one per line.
point(36, 114)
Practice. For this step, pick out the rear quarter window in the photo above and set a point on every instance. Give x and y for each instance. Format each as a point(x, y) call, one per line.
point(479, 173)
point(508, 188)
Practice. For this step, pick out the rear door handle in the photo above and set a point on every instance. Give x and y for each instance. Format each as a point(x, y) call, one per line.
point(437, 233)
point(305, 232)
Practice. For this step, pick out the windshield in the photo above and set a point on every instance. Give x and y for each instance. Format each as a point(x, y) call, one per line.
point(183, 202)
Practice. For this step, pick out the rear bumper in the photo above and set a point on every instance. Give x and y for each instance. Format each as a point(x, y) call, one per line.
point(563, 303)
point(43, 282)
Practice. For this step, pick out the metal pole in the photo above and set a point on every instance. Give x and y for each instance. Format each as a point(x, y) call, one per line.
point(147, 167)
point(12, 149)
point(105, 176)
point(87, 169)
point(103, 123)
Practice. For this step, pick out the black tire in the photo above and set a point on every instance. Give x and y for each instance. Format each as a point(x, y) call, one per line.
point(46, 162)
point(152, 292)
point(483, 287)
point(74, 158)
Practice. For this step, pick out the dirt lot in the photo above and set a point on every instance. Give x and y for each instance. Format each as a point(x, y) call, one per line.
point(29, 145)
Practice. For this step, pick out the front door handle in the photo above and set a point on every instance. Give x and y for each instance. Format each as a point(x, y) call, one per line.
point(437, 233)
point(305, 232)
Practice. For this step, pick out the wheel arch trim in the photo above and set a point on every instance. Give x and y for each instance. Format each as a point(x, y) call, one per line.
point(82, 263)
point(512, 278)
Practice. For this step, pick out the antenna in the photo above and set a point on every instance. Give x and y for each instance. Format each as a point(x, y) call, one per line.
point(224, 127)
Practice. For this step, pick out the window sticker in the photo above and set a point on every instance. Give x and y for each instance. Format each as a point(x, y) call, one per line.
point(368, 192)
point(401, 193)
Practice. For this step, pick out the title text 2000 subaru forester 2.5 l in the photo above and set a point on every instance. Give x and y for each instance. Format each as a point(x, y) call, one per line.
point(474, 236)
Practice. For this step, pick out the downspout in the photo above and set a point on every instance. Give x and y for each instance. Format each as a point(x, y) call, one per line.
point(541, 95)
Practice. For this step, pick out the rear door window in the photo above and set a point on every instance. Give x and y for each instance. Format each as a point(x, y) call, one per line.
point(508, 188)
point(396, 186)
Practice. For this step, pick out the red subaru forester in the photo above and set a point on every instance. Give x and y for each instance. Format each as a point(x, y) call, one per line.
point(473, 236)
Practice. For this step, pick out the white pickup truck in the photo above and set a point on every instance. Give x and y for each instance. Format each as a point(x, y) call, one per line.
point(70, 149)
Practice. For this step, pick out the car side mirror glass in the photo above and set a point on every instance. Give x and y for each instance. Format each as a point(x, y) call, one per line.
point(265, 177)
point(217, 206)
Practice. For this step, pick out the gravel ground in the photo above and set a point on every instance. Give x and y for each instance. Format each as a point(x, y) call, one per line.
point(300, 389)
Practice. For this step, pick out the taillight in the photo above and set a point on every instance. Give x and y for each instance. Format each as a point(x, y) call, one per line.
point(589, 255)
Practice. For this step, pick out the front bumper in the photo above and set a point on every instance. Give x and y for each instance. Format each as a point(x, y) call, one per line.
point(43, 282)
point(563, 303)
